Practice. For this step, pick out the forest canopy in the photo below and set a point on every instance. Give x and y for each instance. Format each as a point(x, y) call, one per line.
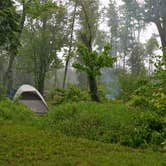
point(51, 44)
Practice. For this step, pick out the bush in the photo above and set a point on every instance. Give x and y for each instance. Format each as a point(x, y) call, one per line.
point(151, 126)
point(159, 103)
point(129, 83)
point(16, 112)
point(2, 92)
point(138, 101)
point(70, 94)
point(151, 93)
point(108, 122)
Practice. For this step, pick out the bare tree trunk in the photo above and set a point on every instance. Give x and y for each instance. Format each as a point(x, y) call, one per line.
point(70, 45)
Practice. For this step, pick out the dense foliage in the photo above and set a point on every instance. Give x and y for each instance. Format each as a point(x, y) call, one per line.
point(107, 122)
point(8, 22)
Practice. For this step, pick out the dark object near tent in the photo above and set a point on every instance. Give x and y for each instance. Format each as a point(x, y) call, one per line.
point(31, 97)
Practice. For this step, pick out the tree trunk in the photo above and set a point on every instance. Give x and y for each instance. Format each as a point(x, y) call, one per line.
point(8, 78)
point(149, 68)
point(41, 81)
point(41, 85)
point(162, 32)
point(93, 89)
point(70, 45)
point(124, 61)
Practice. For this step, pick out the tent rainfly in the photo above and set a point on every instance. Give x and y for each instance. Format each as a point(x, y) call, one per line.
point(31, 97)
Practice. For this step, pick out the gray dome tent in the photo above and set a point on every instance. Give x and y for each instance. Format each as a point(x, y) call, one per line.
point(31, 97)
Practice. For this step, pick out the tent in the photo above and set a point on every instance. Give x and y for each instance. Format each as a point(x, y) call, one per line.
point(31, 97)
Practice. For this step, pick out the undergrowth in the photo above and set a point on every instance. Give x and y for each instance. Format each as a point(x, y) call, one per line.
point(109, 122)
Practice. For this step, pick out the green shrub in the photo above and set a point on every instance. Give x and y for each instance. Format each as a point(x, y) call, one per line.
point(107, 122)
point(138, 101)
point(159, 102)
point(110, 122)
point(70, 94)
point(2, 92)
point(16, 112)
point(130, 83)
point(151, 126)
point(151, 93)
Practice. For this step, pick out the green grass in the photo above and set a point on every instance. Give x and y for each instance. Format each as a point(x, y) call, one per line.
point(26, 145)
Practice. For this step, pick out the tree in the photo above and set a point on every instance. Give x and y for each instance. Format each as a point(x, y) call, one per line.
point(113, 23)
point(70, 42)
point(8, 22)
point(89, 17)
point(125, 27)
point(92, 63)
point(154, 11)
point(136, 59)
point(88, 20)
point(132, 12)
point(151, 46)
point(9, 27)
point(130, 28)
point(125, 43)
point(13, 48)
point(43, 38)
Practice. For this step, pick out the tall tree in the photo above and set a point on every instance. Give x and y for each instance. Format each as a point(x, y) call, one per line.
point(88, 20)
point(113, 23)
point(71, 27)
point(89, 17)
point(92, 63)
point(136, 59)
point(13, 49)
point(154, 11)
point(8, 22)
point(151, 46)
point(133, 17)
point(125, 26)
point(45, 35)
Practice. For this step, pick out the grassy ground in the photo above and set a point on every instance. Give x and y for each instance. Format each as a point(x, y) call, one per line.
point(26, 145)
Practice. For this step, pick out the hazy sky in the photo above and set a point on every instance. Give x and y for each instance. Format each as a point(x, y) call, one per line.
point(146, 34)
point(105, 2)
